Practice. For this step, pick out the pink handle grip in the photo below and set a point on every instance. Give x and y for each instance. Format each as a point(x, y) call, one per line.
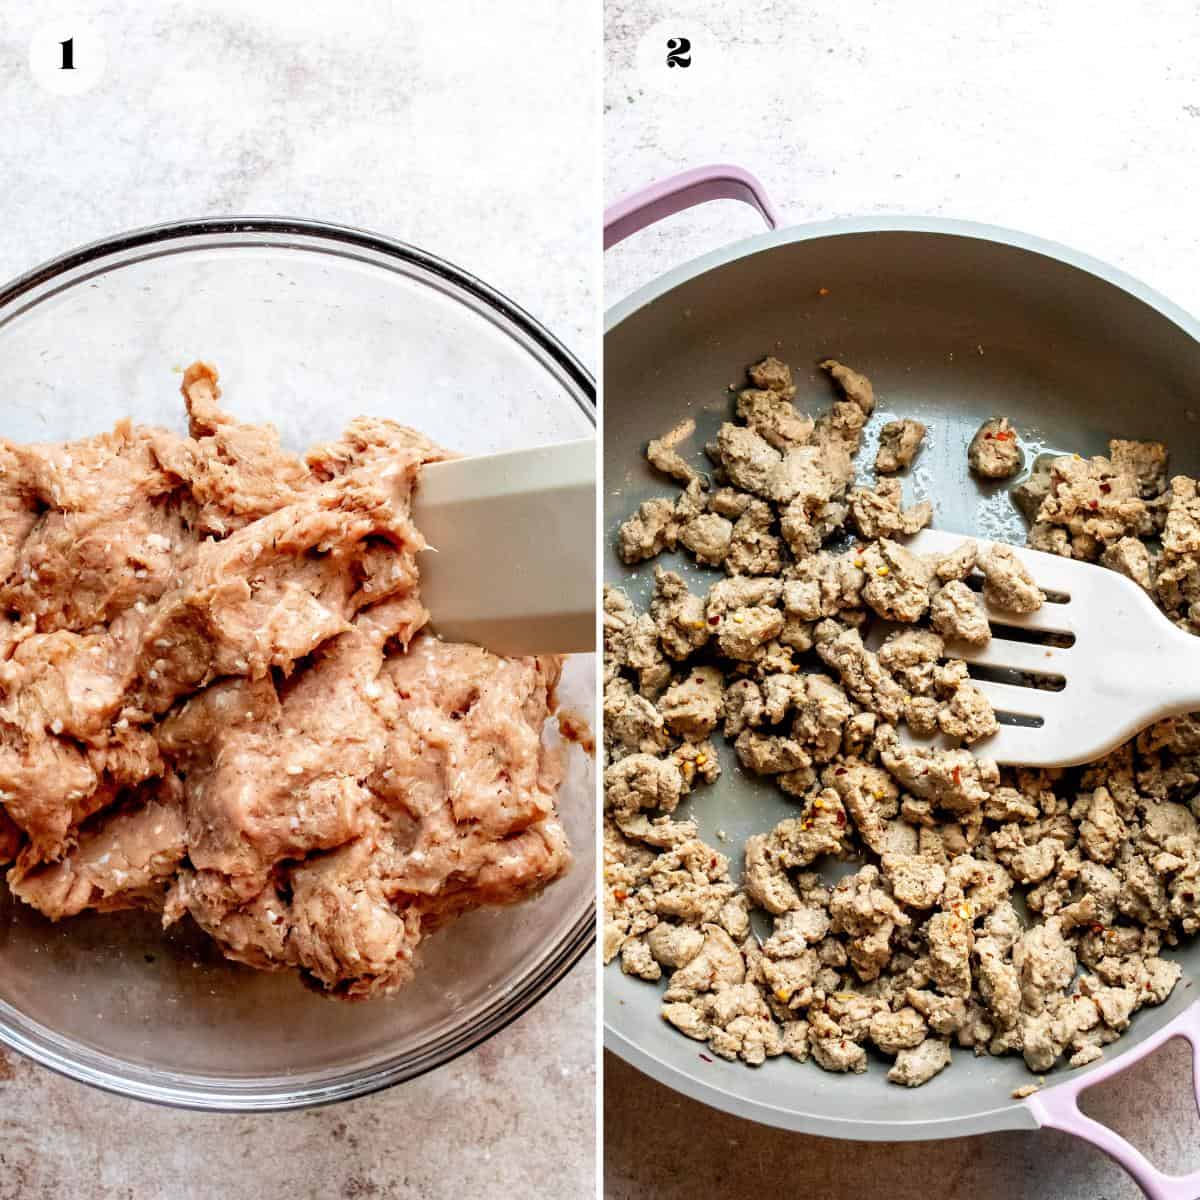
point(1058, 1108)
point(685, 190)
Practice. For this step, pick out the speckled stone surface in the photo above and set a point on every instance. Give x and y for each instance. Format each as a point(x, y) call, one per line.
point(468, 133)
point(1074, 122)
point(662, 1145)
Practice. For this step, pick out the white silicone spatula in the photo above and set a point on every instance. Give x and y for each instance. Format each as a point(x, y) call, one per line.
point(512, 558)
point(1094, 665)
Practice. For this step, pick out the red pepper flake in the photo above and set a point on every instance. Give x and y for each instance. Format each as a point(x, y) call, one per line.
point(714, 620)
point(1093, 505)
point(840, 771)
point(1097, 927)
point(712, 862)
point(706, 1058)
point(1005, 435)
point(621, 896)
point(956, 775)
point(989, 436)
point(840, 818)
point(1106, 488)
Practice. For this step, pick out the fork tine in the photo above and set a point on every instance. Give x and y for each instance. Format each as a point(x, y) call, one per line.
point(1051, 572)
point(1019, 656)
point(1029, 702)
point(1050, 618)
point(1018, 746)
point(1126, 665)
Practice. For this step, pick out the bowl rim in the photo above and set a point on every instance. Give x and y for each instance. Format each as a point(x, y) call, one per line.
point(148, 236)
point(283, 1093)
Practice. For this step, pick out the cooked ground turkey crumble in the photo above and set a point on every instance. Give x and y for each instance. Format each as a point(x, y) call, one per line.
point(1009, 911)
point(216, 700)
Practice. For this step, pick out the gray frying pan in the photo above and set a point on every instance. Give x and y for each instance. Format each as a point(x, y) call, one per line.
point(952, 322)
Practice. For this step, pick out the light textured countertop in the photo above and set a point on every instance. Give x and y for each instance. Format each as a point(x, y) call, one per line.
point(1075, 122)
point(457, 128)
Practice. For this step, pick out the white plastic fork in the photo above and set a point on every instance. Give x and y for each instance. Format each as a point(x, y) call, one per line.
point(1127, 666)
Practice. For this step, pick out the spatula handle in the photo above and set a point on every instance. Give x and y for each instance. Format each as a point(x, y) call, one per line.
point(677, 192)
point(1058, 1108)
point(512, 558)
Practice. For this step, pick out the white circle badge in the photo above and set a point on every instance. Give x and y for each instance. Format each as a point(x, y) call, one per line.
point(66, 56)
point(678, 56)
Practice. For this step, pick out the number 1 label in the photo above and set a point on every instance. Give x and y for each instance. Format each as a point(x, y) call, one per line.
point(67, 55)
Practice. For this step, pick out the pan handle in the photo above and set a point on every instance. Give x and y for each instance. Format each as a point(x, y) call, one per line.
point(1058, 1108)
point(685, 190)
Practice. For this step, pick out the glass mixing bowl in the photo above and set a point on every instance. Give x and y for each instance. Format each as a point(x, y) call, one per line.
point(310, 325)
